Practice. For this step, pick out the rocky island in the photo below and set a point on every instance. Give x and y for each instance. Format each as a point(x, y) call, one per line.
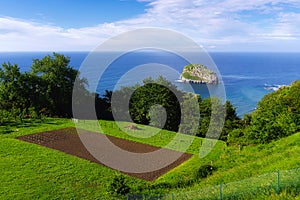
point(199, 74)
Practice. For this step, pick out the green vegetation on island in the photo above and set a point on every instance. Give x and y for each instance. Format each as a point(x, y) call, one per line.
point(197, 73)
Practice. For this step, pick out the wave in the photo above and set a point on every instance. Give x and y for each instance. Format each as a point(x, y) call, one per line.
point(273, 87)
point(242, 77)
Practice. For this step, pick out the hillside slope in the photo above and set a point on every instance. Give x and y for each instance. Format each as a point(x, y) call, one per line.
point(31, 171)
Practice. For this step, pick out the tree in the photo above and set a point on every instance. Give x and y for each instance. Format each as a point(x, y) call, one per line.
point(46, 89)
point(158, 116)
point(10, 87)
point(232, 121)
point(156, 92)
point(218, 118)
point(190, 114)
point(158, 101)
point(276, 116)
point(33, 94)
point(148, 103)
point(120, 103)
point(103, 105)
point(56, 82)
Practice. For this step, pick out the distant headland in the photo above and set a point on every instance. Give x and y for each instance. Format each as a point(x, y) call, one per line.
point(199, 74)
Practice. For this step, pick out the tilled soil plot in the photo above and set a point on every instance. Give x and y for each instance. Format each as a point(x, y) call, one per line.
point(68, 141)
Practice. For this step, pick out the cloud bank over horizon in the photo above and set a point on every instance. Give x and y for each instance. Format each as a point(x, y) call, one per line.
point(217, 25)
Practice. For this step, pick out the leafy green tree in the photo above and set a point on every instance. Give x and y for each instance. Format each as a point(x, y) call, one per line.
point(236, 136)
point(217, 118)
point(18, 91)
point(5, 116)
point(156, 92)
point(158, 116)
point(276, 116)
point(141, 101)
point(103, 105)
point(190, 114)
point(232, 121)
point(194, 115)
point(56, 81)
point(10, 87)
point(33, 94)
point(45, 90)
point(120, 103)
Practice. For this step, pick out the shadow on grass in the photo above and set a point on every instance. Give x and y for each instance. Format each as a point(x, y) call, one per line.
point(6, 131)
point(52, 123)
point(8, 127)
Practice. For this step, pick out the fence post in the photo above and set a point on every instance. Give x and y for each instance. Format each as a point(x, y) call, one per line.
point(221, 192)
point(278, 182)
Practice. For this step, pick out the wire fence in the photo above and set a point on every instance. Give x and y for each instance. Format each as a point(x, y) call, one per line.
point(263, 184)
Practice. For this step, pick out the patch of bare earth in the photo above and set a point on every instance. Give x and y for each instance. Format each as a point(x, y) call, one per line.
point(68, 141)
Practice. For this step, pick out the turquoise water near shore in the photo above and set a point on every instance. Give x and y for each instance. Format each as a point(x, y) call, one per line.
point(247, 77)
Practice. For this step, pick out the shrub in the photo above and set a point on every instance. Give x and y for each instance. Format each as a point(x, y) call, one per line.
point(276, 116)
point(5, 116)
point(236, 136)
point(204, 171)
point(32, 113)
point(118, 186)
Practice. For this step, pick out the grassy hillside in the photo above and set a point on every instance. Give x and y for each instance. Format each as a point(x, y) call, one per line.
point(30, 171)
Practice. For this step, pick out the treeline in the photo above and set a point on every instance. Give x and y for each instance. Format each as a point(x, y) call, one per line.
point(46, 90)
point(161, 104)
point(277, 116)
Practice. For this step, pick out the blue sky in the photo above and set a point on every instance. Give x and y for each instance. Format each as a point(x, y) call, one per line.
point(70, 13)
point(217, 25)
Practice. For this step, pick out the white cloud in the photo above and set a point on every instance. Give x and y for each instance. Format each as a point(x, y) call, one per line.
point(20, 35)
point(288, 25)
point(215, 24)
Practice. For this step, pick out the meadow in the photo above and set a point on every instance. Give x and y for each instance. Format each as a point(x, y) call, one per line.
point(30, 171)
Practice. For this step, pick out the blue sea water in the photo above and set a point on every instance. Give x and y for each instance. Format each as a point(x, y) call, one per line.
point(247, 77)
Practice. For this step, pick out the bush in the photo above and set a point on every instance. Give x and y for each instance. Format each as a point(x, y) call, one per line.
point(205, 171)
point(276, 116)
point(236, 136)
point(32, 113)
point(5, 116)
point(118, 186)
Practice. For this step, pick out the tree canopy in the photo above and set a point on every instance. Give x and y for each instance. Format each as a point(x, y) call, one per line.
point(142, 97)
point(46, 88)
point(277, 115)
point(158, 101)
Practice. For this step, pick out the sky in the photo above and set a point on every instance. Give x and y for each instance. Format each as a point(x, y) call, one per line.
point(217, 25)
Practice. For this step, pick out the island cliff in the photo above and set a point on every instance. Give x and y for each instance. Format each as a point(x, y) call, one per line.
point(199, 74)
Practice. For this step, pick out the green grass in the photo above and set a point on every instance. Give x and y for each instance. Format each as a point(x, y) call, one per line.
point(29, 171)
point(15, 129)
point(187, 75)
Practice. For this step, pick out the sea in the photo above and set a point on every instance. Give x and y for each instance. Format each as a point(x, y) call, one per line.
point(246, 76)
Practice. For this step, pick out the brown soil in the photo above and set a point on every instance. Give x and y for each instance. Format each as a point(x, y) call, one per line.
point(68, 141)
point(132, 127)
